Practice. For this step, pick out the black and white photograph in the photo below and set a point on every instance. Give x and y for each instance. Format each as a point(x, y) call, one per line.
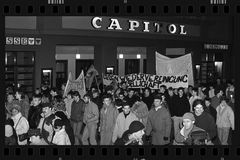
point(120, 80)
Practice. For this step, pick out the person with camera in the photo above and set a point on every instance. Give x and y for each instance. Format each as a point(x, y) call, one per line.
point(20, 122)
point(132, 136)
point(190, 134)
point(45, 126)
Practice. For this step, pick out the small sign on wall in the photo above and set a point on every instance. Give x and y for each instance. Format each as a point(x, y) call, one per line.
point(23, 41)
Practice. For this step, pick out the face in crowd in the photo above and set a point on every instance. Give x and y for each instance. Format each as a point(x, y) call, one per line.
point(121, 96)
point(36, 101)
point(198, 109)
point(107, 101)
point(46, 111)
point(170, 92)
point(207, 103)
point(139, 134)
point(14, 112)
point(10, 98)
point(126, 109)
point(146, 93)
point(86, 99)
point(180, 93)
point(157, 102)
point(18, 96)
point(76, 98)
point(187, 123)
point(130, 93)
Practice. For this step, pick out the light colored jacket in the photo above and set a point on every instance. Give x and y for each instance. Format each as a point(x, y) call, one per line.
point(141, 111)
point(91, 113)
point(225, 117)
point(61, 138)
point(122, 124)
point(68, 104)
point(21, 126)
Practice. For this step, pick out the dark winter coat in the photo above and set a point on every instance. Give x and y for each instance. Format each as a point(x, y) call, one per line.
point(171, 101)
point(182, 106)
point(34, 116)
point(206, 122)
point(148, 101)
point(159, 126)
point(77, 111)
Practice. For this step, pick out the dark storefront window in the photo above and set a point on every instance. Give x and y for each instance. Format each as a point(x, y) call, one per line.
point(211, 67)
point(61, 72)
point(144, 65)
point(19, 70)
point(132, 66)
point(83, 64)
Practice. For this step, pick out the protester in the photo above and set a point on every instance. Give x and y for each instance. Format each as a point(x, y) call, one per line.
point(91, 118)
point(9, 103)
point(20, 122)
point(133, 136)
point(77, 113)
point(123, 121)
point(209, 109)
point(225, 120)
point(140, 109)
point(108, 118)
point(230, 90)
point(45, 126)
point(204, 120)
point(20, 96)
point(182, 102)
point(60, 137)
point(171, 99)
point(215, 101)
point(193, 98)
point(190, 134)
point(131, 97)
point(96, 98)
point(10, 133)
point(147, 98)
point(211, 92)
point(68, 103)
point(159, 123)
point(34, 114)
point(67, 125)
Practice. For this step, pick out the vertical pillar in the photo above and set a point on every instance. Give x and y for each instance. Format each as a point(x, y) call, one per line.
point(105, 54)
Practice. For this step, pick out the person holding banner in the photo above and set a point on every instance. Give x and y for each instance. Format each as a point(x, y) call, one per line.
point(108, 118)
point(76, 118)
point(159, 123)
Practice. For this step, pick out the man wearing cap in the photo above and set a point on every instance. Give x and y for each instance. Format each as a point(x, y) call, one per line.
point(123, 121)
point(159, 123)
point(108, 118)
point(20, 122)
point(133, 136)
point(225, 120)
point(185, 136)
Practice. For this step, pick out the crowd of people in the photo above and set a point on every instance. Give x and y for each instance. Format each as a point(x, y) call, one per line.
point(200, 115)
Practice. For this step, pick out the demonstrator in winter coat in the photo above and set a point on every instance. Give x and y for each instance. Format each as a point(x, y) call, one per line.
point(159, 123)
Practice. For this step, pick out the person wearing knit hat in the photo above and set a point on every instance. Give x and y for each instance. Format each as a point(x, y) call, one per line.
point(133, 136)
point(190, 134)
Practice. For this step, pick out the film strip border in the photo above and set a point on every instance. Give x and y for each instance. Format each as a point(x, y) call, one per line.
point(118, 152)
point(120, 7)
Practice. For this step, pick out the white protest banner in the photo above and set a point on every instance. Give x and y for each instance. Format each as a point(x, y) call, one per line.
point(154, 81)
point(175, 66)
point(109, 78)
point(147, 80)
point(75, 85)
